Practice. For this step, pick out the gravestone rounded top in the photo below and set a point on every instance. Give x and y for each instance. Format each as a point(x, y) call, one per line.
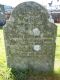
point(29, 10)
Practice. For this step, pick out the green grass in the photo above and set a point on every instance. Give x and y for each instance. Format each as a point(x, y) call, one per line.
point(5, 72)
point(2, 56)
point(57, 52)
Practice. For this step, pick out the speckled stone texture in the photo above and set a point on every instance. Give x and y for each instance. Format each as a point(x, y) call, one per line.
point(30, 38)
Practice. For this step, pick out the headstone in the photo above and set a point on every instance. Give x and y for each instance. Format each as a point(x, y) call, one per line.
point(30, 38)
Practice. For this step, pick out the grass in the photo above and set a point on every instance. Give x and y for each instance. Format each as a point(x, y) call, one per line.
point(57, 52)
point(5, 72)
point(2, 56)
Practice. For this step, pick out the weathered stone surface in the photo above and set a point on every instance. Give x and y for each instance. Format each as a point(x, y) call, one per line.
point(30, 38)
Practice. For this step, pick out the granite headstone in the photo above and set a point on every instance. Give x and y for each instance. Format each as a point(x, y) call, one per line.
point(30, 38)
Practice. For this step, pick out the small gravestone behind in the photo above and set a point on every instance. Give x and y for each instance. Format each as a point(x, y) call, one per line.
point(30, 38)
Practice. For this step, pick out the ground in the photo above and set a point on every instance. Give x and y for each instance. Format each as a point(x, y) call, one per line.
point(5, 72)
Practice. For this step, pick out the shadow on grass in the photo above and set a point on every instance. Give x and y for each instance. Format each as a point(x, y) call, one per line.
point(1, 27)
point(29, 74)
